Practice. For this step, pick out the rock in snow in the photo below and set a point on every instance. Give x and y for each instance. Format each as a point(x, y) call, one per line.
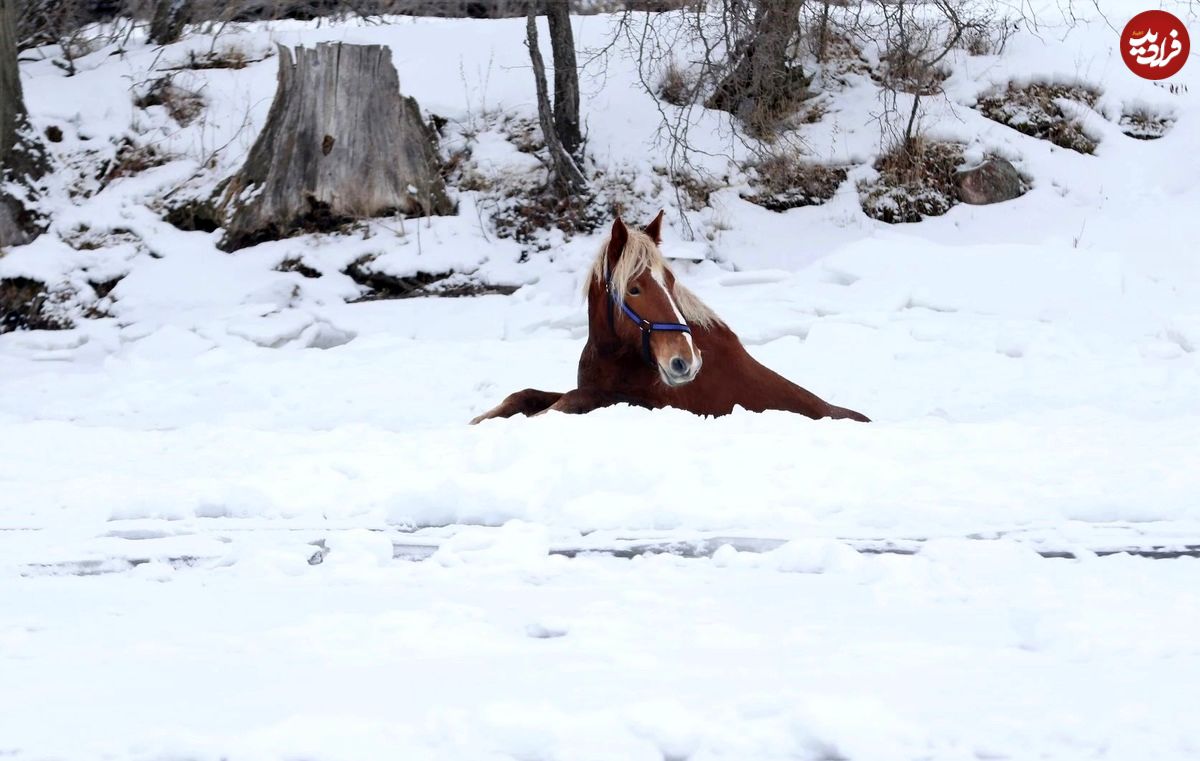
point(993, 181)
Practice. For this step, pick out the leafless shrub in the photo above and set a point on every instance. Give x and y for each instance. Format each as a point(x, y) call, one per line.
point(521, 204)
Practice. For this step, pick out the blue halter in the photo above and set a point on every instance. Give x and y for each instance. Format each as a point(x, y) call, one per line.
point(643, 324)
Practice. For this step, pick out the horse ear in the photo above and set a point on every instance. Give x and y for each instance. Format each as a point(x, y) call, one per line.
point(654, 229)
point(616, 242)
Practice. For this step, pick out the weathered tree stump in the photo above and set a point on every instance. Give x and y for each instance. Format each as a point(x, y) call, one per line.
point(22, 158)
point(340, 144)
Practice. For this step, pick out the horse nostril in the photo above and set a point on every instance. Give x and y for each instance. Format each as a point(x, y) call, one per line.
point(678, 366)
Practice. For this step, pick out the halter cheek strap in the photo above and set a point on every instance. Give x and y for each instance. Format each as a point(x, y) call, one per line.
point(647, 327)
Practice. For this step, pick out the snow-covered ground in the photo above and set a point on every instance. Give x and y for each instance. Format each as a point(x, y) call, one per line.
point(202, 494)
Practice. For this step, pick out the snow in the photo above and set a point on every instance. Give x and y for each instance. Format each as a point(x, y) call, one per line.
point(242, 518)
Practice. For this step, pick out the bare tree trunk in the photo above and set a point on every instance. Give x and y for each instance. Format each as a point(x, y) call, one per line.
point(565, 174)
point(566, 76)
point(12, 103)
point(341, 143)
point(823, 43)
point(22, 158)
point(168, 21)
point(762, 85)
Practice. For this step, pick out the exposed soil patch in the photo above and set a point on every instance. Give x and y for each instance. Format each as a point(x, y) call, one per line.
point(104, 287)
point(384, 286)
point(298, 266)
point(27, 304)
point(196, 213)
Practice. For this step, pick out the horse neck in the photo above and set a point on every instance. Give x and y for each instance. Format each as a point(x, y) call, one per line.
point(600, 332)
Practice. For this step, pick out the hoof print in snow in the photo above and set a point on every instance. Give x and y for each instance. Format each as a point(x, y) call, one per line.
point(27, 304)
point(1038, 110)
point(546, 630)
point(915, 180)
point(994, 181)
point(782, 182)
point(320, 550)
point(1143, 124)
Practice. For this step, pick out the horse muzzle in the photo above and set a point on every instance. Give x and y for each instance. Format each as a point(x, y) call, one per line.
point(679, 372)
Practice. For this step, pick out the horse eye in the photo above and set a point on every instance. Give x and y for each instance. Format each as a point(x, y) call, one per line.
point(634, 290)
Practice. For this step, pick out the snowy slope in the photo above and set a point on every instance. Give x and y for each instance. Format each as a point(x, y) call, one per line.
point(1033, 369)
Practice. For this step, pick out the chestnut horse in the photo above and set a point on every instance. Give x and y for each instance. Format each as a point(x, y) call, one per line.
point(652, 343)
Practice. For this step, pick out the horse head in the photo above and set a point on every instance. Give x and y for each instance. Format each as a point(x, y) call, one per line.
point(633, 295)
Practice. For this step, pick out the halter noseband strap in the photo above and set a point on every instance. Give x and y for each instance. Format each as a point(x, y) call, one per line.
point(643, 324)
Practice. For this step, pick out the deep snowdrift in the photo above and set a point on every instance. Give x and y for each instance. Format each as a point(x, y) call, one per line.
point(1032, 367)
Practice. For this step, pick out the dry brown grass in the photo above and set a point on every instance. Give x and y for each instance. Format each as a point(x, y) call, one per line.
point(1034, 110)
point(695, 189)
point(785, 181)
point(131, 158)
point(183, 105)
point(231, 57)
point(1142, 124)
point(916, 180)
point(676, 87)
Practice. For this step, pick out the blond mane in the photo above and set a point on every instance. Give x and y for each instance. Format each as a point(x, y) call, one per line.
point(641, 253)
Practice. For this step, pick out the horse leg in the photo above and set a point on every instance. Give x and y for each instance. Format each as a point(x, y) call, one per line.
point(584, 400)
point(842, 413)
point(527, 402)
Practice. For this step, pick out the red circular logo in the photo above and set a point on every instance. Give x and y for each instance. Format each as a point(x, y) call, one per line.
point(1155, 45)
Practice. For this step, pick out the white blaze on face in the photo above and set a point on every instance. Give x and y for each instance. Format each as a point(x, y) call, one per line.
point(657, 274)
